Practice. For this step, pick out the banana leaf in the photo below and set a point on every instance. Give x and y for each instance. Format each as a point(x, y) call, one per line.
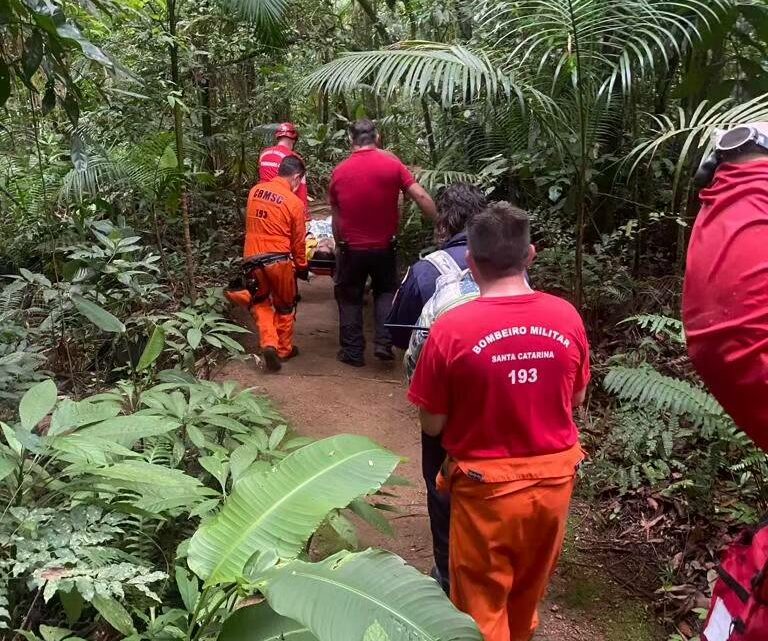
point(350, 594)
point(262, 623)
point(279, 508)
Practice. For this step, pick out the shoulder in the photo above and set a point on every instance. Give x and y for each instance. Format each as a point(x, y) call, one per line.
point(385, 153)
point(453, 321)
point(423, 269)
point(561, 308)
point(267, 151)
point(293, 201)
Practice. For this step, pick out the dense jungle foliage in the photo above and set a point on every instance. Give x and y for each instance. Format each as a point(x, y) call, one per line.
point(142, 500)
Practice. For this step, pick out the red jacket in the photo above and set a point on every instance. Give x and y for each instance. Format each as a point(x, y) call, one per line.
point(269, 162)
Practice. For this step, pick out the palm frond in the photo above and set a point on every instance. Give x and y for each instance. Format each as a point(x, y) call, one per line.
point(608, 40)
point(266, 15)
point(452, 72)
point(693, 133)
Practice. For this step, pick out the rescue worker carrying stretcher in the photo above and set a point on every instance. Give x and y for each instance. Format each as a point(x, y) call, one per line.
point(286, 137)
point(274, 256)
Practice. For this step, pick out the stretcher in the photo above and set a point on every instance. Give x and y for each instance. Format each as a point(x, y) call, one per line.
point(321, 247)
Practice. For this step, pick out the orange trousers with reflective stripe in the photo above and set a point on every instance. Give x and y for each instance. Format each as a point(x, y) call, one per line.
point(505, 540)
point(274, 316)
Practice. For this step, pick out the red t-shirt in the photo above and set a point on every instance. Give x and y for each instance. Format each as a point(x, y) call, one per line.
point(504, 371)
point(364, 191)
point(269, 163)
point(725, 295)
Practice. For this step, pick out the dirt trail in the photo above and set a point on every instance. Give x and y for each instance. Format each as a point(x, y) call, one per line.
point(321, 397)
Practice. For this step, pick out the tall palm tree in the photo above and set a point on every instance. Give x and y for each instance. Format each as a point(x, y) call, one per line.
point(571, 63)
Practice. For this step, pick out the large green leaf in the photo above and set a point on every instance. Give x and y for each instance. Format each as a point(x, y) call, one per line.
point(419, 68)
point(126, 430)
point(36, 403)
point(114, 613)
point(98, 315)
point(153, 349)
point(70, 415)
point(279, 509)
point(360, 589)
point(262, 623)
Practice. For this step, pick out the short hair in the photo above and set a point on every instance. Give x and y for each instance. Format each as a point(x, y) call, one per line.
point(291, 166)
point(363, 132)
point(456, 204)
point(499, 237)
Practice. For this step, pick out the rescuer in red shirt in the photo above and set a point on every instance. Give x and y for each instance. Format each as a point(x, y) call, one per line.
point(725, 294)
point(364, 196)
point(286, 137)
point(275, 251)
point(498, 379)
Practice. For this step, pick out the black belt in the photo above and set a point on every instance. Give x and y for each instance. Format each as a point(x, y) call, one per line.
point(264, 260)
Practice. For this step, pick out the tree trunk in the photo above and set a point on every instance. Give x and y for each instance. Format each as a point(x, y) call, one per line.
point(178, 126)
point(206, 121)
point(429, 130)
point(370, 12)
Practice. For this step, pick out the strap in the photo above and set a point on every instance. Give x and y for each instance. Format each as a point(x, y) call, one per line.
point(263, 260)
point(443, 262)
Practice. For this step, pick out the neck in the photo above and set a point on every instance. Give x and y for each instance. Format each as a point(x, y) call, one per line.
point(514, 285)
point(285, 143)
point(359, 147)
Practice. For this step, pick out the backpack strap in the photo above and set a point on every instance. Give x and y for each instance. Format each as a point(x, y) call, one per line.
point(443, 262)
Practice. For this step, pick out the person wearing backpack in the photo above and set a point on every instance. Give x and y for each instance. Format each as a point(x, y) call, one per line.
point(456, 204)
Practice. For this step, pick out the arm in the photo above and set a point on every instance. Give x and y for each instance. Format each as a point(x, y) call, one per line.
point(298, 236)
point(432, 424)
point(335, 224)
point(583, 375)
point(578, 398)
point(406, 309)
point(423, 200)
point(301, 192)
point(430, 386)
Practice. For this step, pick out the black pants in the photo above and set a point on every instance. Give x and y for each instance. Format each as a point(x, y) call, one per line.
point(438, 504)
point(353, 267)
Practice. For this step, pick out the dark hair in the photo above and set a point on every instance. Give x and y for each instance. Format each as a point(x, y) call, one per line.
point(499, 237)
point(456, 204)
point(363, 132)
point(291, 166)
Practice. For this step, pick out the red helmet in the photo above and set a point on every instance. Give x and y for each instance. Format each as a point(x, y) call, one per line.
point(287, 130)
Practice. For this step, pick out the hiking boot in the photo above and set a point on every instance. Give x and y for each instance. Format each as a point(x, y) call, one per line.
point(384, 353)
point(271, 359)
point(347, 360)
point(294, 353)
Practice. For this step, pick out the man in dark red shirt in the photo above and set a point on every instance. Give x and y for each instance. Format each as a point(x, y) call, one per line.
point(498, 378)
point(364, 196)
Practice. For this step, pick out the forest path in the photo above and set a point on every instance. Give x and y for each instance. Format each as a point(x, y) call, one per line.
point(320, 397)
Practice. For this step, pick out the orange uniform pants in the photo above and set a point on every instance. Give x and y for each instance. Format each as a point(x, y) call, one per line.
point(505, 540)
point(274, 315)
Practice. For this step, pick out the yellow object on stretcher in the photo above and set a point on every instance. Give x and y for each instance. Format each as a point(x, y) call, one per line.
point(321, 248)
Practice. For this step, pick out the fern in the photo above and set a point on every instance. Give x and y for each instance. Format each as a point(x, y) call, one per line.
point(659, 324)
point(647, 387)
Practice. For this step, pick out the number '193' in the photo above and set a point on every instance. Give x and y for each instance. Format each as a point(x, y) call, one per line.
point(524, 376)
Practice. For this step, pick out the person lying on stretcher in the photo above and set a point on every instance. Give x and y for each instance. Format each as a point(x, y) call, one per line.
point(321, 247)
